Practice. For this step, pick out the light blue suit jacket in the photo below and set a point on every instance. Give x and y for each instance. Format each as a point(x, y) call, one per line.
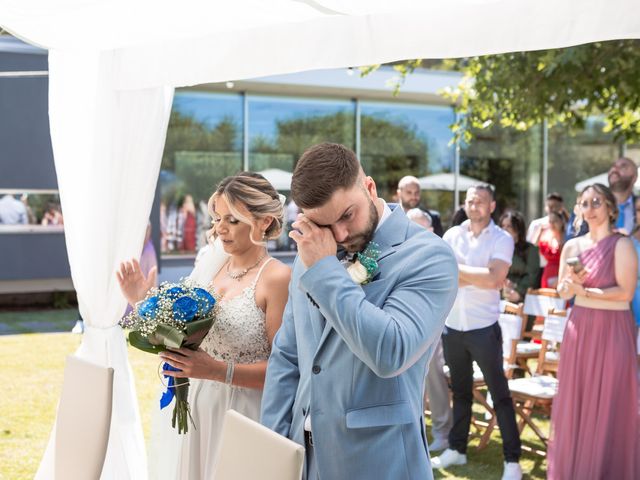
point(355, 357)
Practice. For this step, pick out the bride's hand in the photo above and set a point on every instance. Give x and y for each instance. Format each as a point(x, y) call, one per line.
point(133, 284)
point(193, 363)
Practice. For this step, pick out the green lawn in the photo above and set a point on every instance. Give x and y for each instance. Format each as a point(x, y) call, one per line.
point(35, 362)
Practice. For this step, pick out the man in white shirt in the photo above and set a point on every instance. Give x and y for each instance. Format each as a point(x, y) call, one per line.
point(472, 333)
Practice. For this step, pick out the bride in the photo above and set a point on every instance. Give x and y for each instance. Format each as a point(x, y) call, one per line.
point(228, 370)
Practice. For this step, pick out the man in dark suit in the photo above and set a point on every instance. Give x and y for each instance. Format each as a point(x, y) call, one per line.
point(409, 197)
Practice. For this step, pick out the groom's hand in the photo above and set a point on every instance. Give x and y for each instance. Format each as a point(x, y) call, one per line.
point(314, 242)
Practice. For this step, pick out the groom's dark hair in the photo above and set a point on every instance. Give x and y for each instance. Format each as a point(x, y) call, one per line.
point(321, 171)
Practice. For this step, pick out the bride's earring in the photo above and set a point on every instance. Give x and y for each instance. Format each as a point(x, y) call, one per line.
point(264, 236)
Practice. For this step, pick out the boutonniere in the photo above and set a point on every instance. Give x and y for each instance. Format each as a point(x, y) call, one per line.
point(366, 264)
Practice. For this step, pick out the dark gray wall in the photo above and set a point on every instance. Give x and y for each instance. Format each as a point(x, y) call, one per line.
point(26, 163)
point(26, 157)
point(30, 256)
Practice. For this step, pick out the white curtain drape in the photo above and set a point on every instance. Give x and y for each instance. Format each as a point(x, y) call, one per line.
point(107, 146)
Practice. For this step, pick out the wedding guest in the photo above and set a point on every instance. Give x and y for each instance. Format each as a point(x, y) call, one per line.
point(228, 371)
point(622, 177)
point(52, 216)
point(189, 224)
point(550, 242)
point(459, 217)
point(408, 194)
point(421, 217)
point(635, 304)
point(525, 263)
point(346, 373)
point(436, 390)
point(594, 419)
point(553, 203)
point(472, 333)
point(12, 211)
point(148, 262)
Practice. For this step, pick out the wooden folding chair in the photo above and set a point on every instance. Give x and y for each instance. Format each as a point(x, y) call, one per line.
point(537, 302)
point(510, 322)
point(536, 393)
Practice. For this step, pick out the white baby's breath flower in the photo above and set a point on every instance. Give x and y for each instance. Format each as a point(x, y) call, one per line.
point(358, 272)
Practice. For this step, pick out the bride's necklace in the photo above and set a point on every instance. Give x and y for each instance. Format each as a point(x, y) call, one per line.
point(242, 273)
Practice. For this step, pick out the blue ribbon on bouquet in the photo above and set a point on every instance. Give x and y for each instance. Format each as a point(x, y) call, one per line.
point(168, 395)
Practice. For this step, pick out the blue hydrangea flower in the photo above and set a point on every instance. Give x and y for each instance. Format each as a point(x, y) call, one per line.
point(149, 307)
point(205, 300)
point(185, 308)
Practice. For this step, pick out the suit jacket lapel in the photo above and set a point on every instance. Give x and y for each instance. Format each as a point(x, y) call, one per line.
point(390, 234)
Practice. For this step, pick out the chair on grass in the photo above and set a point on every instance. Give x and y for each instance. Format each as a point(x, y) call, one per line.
point(510, 322)
point(83, 422)
point(536, 393)
point(537, 302)
point(250, 450)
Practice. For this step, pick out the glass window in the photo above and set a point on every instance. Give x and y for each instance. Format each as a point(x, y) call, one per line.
point(204, 145)
point(578, 156)
point(400, 139)
point(510, 161)
point(33, 211)
point(281, 129)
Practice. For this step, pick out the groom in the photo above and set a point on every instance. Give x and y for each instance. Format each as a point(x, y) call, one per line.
point(346, 373)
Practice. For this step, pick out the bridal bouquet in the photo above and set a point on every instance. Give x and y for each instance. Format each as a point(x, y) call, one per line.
point(173, 315)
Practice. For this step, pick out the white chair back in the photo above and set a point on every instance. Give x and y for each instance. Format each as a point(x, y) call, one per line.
point(539, 305)
point(554, 326)
point(84, 419)
point(250, 450)
point(511, 327)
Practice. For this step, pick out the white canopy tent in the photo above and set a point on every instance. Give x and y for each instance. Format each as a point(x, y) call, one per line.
point(447, 181)
point(113, 65)
point(280, 179)
point(603, 178)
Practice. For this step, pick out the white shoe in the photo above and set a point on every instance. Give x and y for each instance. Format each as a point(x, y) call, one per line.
point(512, 471)
point(438, 444)
point(449, 457)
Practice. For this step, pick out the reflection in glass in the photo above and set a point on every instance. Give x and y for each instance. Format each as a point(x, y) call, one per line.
point(512, 162)
point(578, 156)
point(281, 129)
point(204, 145)
point(30, 208)
point(402, 139)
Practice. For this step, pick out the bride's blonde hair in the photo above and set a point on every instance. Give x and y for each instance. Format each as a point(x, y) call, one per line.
point(257, 195)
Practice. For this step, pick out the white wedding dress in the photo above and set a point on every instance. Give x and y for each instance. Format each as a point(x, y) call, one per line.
point(238, 335)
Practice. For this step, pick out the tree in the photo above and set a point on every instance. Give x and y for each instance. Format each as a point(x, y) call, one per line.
point(562, 86)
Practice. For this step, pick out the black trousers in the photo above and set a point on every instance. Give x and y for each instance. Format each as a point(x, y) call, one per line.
point(485, 347)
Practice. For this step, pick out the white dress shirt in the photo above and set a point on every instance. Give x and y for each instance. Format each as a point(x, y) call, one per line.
point(475, 307)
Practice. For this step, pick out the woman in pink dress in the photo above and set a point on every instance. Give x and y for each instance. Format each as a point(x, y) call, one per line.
point(594, 420)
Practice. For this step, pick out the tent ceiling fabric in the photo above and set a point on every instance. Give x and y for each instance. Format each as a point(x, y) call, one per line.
point(161, 43)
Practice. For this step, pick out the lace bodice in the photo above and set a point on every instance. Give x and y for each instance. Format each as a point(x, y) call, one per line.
point(239, 332)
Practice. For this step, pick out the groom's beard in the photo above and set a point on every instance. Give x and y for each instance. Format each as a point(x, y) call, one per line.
point(359, 241)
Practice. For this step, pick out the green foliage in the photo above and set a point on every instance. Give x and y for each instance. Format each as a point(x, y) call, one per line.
point(185, 133)
point(563, 86)
point(390, 151)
